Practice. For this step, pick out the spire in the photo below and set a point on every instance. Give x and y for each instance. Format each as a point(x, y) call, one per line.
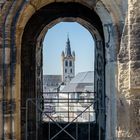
point(68, 48)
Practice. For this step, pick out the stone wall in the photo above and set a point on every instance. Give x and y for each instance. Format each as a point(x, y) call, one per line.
point(0, 68)
point(129, 75)
point(122, 84)
point(134, 51)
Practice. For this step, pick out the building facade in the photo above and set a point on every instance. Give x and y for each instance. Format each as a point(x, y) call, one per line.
point(53, 83)
point(68, 63)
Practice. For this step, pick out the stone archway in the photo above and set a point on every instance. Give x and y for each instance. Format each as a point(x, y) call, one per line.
point(122, 71)
point(16, 17)
point(31, 72)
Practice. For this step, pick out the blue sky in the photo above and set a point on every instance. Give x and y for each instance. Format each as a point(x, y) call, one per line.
point(55, 41)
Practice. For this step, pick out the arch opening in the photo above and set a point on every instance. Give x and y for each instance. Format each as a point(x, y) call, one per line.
point(31, 54)
point(68, 68)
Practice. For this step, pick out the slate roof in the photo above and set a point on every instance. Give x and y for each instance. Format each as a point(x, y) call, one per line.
point(83, 81)
point(52, 79)
point(68, 48)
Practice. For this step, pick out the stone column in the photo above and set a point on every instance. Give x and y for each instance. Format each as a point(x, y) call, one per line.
point(0, 72)
point(7, 103)
point(134, 52)
point(129, 76)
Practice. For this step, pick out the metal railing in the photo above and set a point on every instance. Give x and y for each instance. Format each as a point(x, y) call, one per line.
point(62, 107)
point(65, 106)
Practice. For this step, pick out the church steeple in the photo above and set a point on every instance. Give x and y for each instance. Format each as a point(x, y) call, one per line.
point(68, 48)
point(68, 63)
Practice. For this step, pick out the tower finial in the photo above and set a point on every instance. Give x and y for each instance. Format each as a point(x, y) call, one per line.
point(68, 35)
point(68, 48)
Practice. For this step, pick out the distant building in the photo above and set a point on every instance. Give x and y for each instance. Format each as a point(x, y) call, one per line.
point(68, 63)
point(59, 90)
point(53, 83)
point(83, 81)
point(81, 93)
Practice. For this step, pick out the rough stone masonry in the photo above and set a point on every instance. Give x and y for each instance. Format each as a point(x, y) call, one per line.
point(121, 29)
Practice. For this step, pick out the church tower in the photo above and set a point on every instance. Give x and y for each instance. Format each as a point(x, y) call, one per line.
point(68, 63)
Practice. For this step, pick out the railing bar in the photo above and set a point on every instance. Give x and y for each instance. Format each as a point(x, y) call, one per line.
point(70, 111)
point(67, 98)
point(89, 126)
point(26, 119)
point(71, 122)
point(71, 103)
point(36, 121)
point(68, 107)
point(76, 130)
point(63, 129)
point(66, 92)
point(49, 129)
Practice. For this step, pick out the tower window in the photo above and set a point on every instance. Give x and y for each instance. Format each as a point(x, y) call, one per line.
point(66, 63)
point(71, 70)
point(70, 63)
point(65, 70)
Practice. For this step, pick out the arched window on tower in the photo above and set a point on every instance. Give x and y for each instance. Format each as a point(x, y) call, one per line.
point(66, 63)
point(70, 70)
point(70, 63)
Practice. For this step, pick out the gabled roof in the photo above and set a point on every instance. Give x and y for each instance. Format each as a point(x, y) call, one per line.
point(83, 81)
point(52, 79)
point(84, 77)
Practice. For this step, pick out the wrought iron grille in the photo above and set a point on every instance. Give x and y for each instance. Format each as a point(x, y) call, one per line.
point(58, 108)
point(66, 106)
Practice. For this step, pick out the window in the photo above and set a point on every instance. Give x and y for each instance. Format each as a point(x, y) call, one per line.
point(70, 63)
point(70, 70)
point(65, 70)
point(66, 63)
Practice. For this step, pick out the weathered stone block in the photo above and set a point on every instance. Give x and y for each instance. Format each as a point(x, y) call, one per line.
point(135, 74)
point(123, 54)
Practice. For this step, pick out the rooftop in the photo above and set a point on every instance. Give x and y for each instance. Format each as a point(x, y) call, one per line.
point(83, 81)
